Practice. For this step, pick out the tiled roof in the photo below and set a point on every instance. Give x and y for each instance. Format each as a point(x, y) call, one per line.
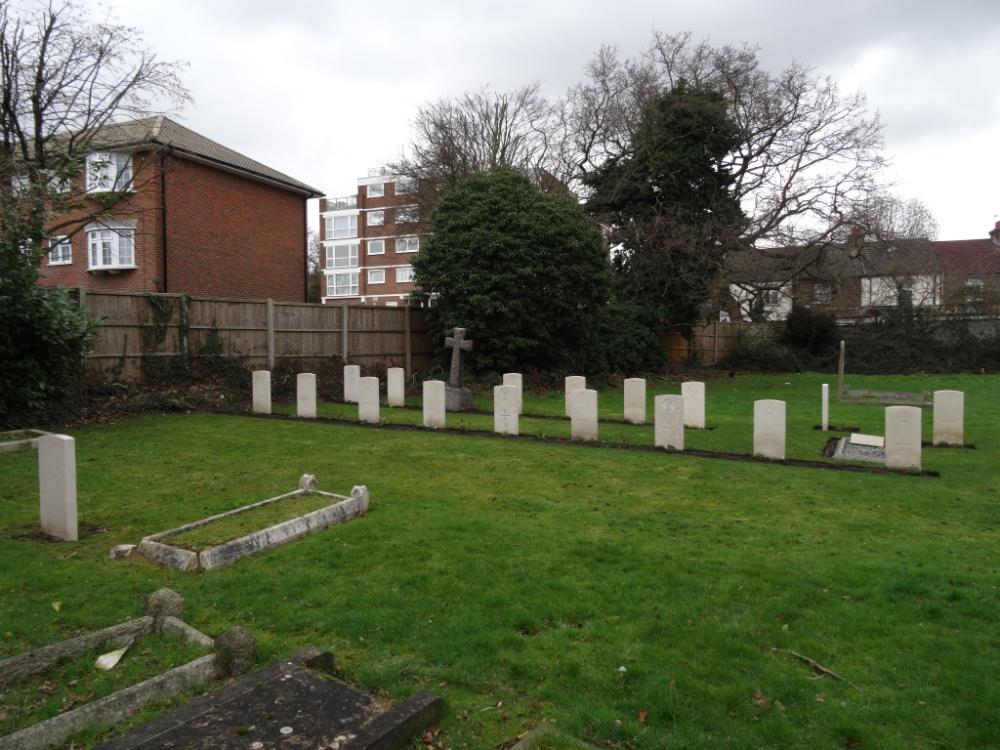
point(968, 257)
point(162, 131)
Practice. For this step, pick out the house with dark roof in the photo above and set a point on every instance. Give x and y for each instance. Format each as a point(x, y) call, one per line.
point(187, 215)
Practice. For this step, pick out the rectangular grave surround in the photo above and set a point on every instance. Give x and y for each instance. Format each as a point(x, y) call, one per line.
point(20, 440)
point(157, 547)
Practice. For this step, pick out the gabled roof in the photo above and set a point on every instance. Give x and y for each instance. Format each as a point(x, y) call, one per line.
point(968, 257)
point(163, 132)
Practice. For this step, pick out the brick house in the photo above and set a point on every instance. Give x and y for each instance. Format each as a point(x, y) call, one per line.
point(196, 217)
point(369, 240)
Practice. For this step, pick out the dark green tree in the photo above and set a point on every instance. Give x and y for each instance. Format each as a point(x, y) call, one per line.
point(670, 204)
point(525, 271)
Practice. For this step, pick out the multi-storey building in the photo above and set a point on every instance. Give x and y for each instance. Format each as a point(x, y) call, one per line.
point(369, 241)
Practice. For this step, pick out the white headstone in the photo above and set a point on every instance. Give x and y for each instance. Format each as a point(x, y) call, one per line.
point(902, 437)
point(434, 402)
point(949, 418)
point(352, 378)
point(635, 400)
point(305, 395)
point(769, 428)
point(396, 386)
point(583, 425)
point(57, 485)
point(573, 383)
point(694, 404)
point(505, 415)
point(368, 405)
point(668, 422)
point(261, 392)
point(825, 408)
point(515, 379)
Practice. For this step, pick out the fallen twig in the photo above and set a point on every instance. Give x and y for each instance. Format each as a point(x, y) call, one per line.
point(815, 665)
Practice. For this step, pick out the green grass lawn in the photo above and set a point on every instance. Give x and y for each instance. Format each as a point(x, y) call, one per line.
point(634, 599)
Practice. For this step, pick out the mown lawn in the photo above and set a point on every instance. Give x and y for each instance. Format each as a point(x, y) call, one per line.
point(634, 599)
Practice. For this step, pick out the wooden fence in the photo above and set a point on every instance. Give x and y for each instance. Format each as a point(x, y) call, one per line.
point(260, 333)
point(711, 343)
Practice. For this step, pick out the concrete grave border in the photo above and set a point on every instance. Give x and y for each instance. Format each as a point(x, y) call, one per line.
point(162, 608)
point(340, 509)
point(13, 441)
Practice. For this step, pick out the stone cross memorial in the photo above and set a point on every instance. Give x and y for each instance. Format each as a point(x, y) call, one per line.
point(824, 416)
point(434, 402)
point(305, 395)
point(902, 437)
point(515, 379)
point(583, 420)
point(769, 428)
point(57, 486)
point(505, 415)
point(352, 376)
point(694, 404)
point(949, 418)
point(668, 422)
point(261, 392)
point(457, 397)
point(396, 386)
point(368, 405)
point(635, 401)
point(573, 383)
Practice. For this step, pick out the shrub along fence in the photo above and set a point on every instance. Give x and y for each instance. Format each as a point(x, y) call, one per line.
point(135, 330)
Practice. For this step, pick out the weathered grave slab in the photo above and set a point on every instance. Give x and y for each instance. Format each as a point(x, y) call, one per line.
point(668, 422)
point(769, 428)
point(694, 404)
point(871, 449)
point(515, 379)
point(396, 386)
point(505, 413)
point(261, 392)
point(848, 395)
point(434, 404)
point(572, 383)
point(949, 418)
point(872, 441)
point(295, 703)
point(635, 400)
point(352, 380)
point(368, 403)
point(305, 395)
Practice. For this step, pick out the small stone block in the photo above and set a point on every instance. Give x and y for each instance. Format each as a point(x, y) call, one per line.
point(635, 401)
point(235, 651)
point(121, 551)
point(515, 379)
point(872, 441)
point(368, 403)
point(902, 437)
point(573, 383)
point(583, 420)
point(457, 399)
point(57, 486)
point(308, 482)
point(164, 603)
point(949, 418)
point(668, 418)
point(261, 392)
point(694, 404)
point(769, 428)
point(305, 395)
point(505, 412)
point(396, 385)
point(434, 402)
point(352, 381)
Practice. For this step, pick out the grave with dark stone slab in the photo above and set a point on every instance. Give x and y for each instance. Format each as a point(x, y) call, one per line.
point(294, 703)
point(858, 447)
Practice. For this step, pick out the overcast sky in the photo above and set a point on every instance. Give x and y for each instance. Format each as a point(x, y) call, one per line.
point(325, 90)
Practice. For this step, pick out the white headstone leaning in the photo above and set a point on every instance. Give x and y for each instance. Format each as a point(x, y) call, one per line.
point(396, 386)
point(368, 403)
point(769, 428)
point(635, 400)
point(305, 395)
point(57, 486)
point(261, 392)
point(902, 437)
point(573, 383)
point(434, 403)
point(515, 379)
point(668, 422)
point(949, 418)
point(352, 378)
point(583, 424)
point(824, 417)
point(693, 392)
point(505, 414)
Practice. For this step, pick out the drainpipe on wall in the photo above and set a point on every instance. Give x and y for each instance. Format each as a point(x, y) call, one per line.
point(163, 219)
point(305, 244)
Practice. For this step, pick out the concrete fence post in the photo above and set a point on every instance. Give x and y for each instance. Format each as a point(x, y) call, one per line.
point(345, 329)
point(270, 334)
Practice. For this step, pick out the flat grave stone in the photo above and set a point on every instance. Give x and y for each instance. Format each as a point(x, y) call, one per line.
point(693, 392)
point(668, 422)
point(434, 404)
point(583, 420)
point(769, 428)
point(305, 395)
point(515, 379)
point(872, 441)
point(396, 386)
point(505, 412)
point(635, 400)
point(294, 703)
point(572, 383)
point(859, 447)
point(261, 392)
point(368, 403)
point(352, 380)
point(902, 437)
point(949, 418)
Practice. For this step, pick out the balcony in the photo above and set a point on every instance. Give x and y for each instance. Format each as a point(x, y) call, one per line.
point(342, 204)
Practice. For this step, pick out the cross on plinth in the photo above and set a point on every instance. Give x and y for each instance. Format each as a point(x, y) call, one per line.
point(457, 343)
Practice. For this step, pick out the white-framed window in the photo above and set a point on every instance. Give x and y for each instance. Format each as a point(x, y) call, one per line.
point(376, 191)
point(111, 246)
point(405, 185)
point(407, 215)
point(974, 290)
point(376, 247)
point(410, 244)
point(376, 276)
point(342, 256)
point(342, 284)
point(375, 218)
point(883, 291)
point(60, 251)
point(823, 293)
point(341, 227)
point(109, 170)
point(404, 274)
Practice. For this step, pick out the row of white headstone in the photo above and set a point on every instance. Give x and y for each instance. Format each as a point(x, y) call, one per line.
point(692, 392)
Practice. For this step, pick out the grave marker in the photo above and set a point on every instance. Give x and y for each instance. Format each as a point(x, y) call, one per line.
point(949, 418)
point(694, 404)
point(825, 408)
point(769, 428)
point(261, 392)
point(583, 424)
point(635, 400)
point(352, 379)
point(457, 397)
point(668, 421)
point(515, 379)
point(434, 403)
point(573, 383)
point(368, 404)
point(57, 486)
point(396, 386)
point(305, 395)
point(902, 437)
point(505, 413)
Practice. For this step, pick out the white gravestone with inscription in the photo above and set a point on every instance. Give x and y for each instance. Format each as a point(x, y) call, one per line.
point(352, 378)
point(573, 383)
point(515, 379)
point(368, 404)
point(902, 437)
point(769, 428)
point(949, 418)
point(824, 416)
point(396, 386)
point(261, 392)
point(668, 422)
point(57, 486)
point(583, 424)
point(694, 404)
point(434, 403)
point(505, 416)
point(305, 395)
point(635, 400)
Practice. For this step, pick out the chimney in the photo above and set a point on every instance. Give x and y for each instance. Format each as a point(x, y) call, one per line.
point(995, 234)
